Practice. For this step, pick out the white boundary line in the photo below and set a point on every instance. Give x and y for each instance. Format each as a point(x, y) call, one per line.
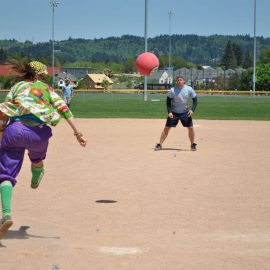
point(121, 250)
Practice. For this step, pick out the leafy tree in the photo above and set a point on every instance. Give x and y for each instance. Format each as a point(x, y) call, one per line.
point(129, 65)
point(179, 62)
point(105, 84)
point(247, 79)
point(116, 67)
point(129, 83)
point(264, 57)
point(116, 51)
point(122, 78)
point(108, 72)
point(263, 77)
point(235, 82)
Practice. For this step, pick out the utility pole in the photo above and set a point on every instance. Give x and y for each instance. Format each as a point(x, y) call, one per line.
point(170, 42)
point(145, 43)
point(254, 52)
point(54, 4)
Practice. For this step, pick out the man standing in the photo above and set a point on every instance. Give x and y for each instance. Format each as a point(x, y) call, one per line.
point(67, 92)
point(178, 110)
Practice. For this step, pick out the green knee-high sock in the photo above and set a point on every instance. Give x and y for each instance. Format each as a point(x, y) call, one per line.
point(6, 194)
point(37, 174)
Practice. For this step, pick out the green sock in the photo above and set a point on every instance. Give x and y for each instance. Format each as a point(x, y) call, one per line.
point(37, 174)
point(6, 194)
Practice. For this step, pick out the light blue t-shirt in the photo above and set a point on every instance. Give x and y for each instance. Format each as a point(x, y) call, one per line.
point(67, 90)
point(180, 98)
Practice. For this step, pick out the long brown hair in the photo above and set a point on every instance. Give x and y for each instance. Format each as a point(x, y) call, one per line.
point(23, 70)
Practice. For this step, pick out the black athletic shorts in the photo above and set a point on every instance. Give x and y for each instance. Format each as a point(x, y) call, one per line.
point(183, 117)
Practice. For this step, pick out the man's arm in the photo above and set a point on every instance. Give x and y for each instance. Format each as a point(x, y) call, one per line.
point(194, 103)
point(169, 104)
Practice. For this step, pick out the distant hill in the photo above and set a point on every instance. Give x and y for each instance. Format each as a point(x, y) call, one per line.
point(203, 50)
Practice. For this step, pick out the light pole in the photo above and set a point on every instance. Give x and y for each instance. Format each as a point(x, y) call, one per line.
point(54, 4)
point(170, 42)
point(145, 42)
point(254, 52)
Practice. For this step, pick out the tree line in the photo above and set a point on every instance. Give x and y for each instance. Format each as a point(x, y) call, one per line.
point(118, 54)
point(191, 49)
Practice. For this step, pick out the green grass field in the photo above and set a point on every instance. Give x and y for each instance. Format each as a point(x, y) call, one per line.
point(115, 105)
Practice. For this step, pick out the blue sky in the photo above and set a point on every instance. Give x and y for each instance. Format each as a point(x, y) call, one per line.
point(89, 19)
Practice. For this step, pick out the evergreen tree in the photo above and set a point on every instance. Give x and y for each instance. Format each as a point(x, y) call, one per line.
point(238, 54)
point(199, 50)
point(3, 56)
point(229, 59)
point(248, 59)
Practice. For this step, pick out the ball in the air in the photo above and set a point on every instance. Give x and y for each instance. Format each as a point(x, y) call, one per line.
point(147, 63)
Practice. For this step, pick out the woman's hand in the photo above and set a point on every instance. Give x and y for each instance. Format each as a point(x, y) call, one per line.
point(81, 140)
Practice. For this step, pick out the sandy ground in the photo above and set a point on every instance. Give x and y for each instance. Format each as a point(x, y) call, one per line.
point(118, 205)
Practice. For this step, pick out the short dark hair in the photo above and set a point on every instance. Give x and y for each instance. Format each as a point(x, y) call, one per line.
point(179, 77)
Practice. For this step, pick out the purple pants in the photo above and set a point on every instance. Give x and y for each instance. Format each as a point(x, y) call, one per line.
point(16, 139)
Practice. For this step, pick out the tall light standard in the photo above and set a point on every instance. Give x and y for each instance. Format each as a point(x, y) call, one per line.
point(145, 42)
point(170, 42)
point(254, 52)
point(54, 4)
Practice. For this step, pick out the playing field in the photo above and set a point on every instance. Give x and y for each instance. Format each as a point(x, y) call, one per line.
point(119, 205)
point(112, 105)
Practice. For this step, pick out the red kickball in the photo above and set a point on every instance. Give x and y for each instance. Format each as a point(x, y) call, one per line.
point(147, 63)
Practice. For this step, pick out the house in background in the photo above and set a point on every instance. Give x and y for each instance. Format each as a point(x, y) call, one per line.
point(61, 77)
point(161, 77)
point(57, 70)
point(159, 80)
point(7, 71)
point(78, 72)
point(94, 81)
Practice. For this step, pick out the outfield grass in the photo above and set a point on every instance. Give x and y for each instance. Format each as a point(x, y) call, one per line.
point(115, 105)
point(133, 106)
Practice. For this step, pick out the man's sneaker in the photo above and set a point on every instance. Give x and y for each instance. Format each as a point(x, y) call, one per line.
point(193, 147)
point(5, 223)
point(158, 147)
point(37, 174)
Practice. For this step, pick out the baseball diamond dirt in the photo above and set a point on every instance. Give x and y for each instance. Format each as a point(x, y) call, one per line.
point(118, 204)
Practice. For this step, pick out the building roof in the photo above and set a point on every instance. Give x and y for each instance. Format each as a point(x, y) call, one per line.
point(7, 71)
point(99, 78)
point(57, 70)
point(157, 74)
point(64, 76)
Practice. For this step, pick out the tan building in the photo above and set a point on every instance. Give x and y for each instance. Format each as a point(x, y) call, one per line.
point(94, 81)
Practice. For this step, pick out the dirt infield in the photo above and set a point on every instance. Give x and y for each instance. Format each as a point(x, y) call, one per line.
point(119, 205)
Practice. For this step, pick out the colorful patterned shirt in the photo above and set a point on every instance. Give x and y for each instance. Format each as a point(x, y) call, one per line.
point(35, 98)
